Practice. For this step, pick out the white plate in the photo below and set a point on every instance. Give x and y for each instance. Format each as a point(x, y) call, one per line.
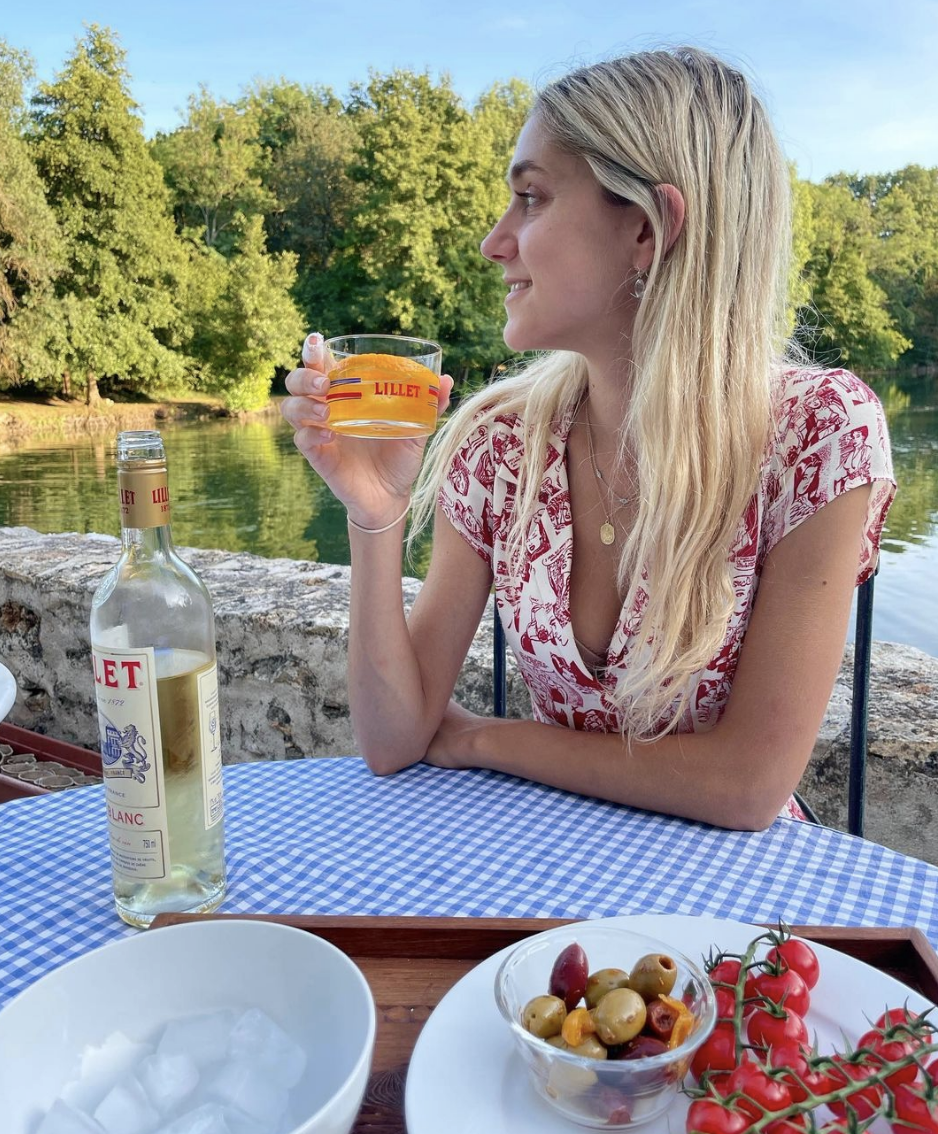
point(7, 691)
point(466, 1077)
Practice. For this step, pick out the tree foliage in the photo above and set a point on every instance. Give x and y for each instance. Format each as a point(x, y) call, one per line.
point(122, 263)
point(848, 319)
point(309, 144)
point(212, 165)
point(245, 323)
point(30, 243)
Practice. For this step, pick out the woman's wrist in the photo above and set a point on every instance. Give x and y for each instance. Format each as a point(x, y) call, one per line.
point(374, 523)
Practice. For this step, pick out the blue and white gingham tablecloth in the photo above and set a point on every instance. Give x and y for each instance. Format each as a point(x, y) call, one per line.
point(325, 836)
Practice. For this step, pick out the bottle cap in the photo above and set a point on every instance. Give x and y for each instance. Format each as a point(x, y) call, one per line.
point(140, 445)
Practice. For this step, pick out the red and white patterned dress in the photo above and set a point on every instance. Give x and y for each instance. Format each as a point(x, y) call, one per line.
point(831, 436)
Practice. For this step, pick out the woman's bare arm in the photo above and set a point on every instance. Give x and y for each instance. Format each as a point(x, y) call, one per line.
point(402, 672)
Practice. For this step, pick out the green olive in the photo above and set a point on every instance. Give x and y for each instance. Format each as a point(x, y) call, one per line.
point(544, 1016)
point(590, 1048)
point(558, 1041)
point(603, 981)
point(619, 1016)
point(653, 975)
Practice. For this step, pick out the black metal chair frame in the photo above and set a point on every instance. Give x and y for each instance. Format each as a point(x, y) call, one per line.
point(863, 648)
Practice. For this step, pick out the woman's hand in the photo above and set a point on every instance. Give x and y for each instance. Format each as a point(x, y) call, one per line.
point(451, 747)
point(371, 477)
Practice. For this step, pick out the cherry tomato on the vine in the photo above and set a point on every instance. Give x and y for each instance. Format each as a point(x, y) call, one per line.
point(717, 1052)
point(797, 1124)
point(914, 1113)
point(866, 1101)
point(896, 1016)
point(767, 1030)
point(759, 1091)
point(726, 1003)
point(799, 1077)
point(725, 972)
point(891, 1051)
point(786, 988)
point(800, 958)
point(709, 1117)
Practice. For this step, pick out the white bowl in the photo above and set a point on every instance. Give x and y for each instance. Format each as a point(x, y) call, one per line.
point(305, 984)
point(7, 691)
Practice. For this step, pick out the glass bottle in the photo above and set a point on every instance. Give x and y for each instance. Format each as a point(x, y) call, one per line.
point(153, 651)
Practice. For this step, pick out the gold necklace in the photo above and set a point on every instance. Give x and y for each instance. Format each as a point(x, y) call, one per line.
point(607, 533)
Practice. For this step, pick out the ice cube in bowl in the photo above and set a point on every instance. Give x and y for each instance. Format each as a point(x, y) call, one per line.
point(315, 996)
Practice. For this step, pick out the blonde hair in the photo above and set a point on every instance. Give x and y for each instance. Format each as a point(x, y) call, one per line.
point(707, 342)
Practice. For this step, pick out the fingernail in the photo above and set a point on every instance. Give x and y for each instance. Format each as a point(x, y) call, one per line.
point(321, 383)
point(309, 347)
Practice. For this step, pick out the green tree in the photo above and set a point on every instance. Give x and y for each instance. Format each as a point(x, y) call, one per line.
point(213, 168)
point(245, 323)
point(310, 143)
point(803, 237)
point(904, 261)
point(31, 249)
point(389, 277)
point(123, 262)
point(848, 319)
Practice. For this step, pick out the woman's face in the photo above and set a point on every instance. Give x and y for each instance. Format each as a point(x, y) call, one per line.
point(567, 253)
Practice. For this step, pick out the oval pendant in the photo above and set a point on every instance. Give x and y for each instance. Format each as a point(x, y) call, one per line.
point(607, 533)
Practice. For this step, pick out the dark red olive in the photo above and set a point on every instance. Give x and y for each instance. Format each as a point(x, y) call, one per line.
point(569, 975)
point(661, 1019)
point(640, 1048)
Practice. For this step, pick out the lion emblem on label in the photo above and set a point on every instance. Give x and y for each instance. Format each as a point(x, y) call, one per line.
point(126, 747)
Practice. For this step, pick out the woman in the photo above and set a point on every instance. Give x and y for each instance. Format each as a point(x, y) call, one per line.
point(673, 515)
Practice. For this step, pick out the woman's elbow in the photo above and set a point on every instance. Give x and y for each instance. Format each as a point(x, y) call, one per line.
point(750, 806)
point(382, 759)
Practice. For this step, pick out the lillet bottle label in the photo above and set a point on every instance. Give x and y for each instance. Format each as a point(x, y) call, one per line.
point(134, 750)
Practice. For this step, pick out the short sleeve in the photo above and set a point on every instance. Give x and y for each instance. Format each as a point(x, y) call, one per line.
point(831, 437)
point(467, 490)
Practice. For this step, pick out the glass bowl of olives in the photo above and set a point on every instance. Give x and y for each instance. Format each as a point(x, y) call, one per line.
point(607, 1021)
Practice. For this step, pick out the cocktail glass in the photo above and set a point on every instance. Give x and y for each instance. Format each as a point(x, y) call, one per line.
point(383, 385)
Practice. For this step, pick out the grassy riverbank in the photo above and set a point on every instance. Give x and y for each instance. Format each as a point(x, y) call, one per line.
point(23, 419)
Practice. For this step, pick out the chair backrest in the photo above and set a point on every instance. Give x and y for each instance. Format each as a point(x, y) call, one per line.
point(859, 710)
point(862, 652)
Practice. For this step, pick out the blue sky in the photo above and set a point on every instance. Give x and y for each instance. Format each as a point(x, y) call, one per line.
point(850, 84)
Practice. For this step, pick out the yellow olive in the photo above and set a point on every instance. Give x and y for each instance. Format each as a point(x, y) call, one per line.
point(653, 975)
point(544, 1016)
point(619, 1016)
point(603, 981)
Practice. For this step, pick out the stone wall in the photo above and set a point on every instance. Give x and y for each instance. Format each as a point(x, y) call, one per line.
point(282, 627)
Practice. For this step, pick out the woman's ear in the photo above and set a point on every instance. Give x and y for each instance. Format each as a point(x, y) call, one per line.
point(672, 209)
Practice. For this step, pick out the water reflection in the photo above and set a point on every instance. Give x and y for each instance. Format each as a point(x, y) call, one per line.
point(239, 485)
point(911, 406)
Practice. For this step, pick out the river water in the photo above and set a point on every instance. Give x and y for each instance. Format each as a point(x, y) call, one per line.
point(240, 485)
